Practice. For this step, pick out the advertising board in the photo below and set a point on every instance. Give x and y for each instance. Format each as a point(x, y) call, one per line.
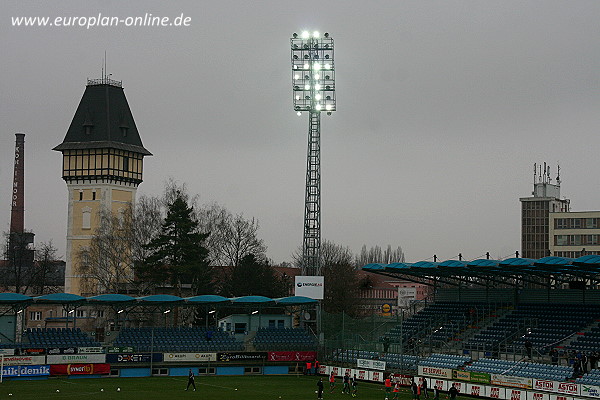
point(435, 372)
point(24, 360)
point(589, 390)
point(292, 356)
point(310, 286)
point(134, 358)
point(370, 364)
point(189, 357)
point(511, 381)
point(80, 369)
point(25, 370)
point(241, 356)
point(90, 350)
point(77, 359)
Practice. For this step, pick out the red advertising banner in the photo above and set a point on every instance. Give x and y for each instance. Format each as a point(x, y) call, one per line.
point(79, 369)
point(292, 355)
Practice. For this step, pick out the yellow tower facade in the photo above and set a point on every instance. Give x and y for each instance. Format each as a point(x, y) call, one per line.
point(102, 165)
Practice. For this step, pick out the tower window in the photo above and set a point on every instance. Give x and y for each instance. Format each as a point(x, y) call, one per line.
point(86, 220)
point(125, 163)
point(93, 195)
point(80, 195)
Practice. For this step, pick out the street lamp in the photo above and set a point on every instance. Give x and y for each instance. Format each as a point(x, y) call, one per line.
point(313, 88)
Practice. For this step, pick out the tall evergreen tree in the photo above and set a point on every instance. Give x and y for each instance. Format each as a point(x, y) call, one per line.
point(177, 254)
point(252, 277)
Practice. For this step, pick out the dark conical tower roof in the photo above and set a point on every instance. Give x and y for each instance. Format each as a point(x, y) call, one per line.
point(103, 120)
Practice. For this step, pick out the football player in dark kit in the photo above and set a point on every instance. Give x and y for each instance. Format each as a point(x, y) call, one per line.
point(320, 388)
point(191, 381)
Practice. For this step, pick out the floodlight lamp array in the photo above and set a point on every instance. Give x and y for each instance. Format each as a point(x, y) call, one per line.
point(313, 72)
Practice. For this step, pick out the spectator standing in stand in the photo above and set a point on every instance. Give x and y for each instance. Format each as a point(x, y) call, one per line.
point(593, 360)
point(554, 356)
point(528, 348)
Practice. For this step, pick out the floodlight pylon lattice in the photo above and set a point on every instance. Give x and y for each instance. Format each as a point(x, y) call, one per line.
point(313, 88)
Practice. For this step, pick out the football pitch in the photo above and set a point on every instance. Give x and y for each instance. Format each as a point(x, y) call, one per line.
point(208, 388)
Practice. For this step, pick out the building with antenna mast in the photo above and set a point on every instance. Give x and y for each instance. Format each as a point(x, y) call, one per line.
point(536, 210)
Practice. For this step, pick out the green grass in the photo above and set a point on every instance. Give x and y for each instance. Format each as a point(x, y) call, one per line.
point(208, 388)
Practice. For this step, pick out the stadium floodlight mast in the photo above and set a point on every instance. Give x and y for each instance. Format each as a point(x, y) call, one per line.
point(313, 88)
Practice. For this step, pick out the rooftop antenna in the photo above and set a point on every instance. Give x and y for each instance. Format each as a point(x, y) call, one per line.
point(548, 173)
point(534, 173)
point(558, 175)
point(545, 176)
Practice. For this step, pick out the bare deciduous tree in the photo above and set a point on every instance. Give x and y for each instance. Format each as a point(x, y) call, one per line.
point(231, 237)
point(376, 255)
point(106, 265)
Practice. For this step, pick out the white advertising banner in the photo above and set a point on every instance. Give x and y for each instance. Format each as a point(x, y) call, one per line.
point(77, 359)
point(495, 392)
point(90, 350)
point(474, 389)
point(370, 364)
point(537, 396)
point(516, 394)
point(7, 352)
point(559, 397)
point(24, 360)
point(589, 390)
point(544, 385)
point(460, 386)
point(337, 371)
point(435, 372)
point(377, 376)
point(569, 388)
point(310, 286)
point(440, 383)
point(511, 381)
point(187, 357)
point(361, 374)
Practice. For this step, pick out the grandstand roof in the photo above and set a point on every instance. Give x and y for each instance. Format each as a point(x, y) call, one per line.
point(111, 298)
point(158, 299)
point(510, 271)
point(14, 298)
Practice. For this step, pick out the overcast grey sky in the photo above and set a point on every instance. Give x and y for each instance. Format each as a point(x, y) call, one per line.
point(443, 107)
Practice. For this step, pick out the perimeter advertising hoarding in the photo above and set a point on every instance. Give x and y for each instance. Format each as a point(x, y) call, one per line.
point(589, 390)
point(310, 286)
point(292, 356)
point(7, 352)
point(25, 370)
point(471, 376)
point(190, 357)
point(241, 356)
point(80, 369)
point(91, 350)
point(120, 350)
point(77, 359)
point(435, 372)
point(31, 351)
point(62, 350)
point(24, 360)
point(537, 396)
point(370, 364)
point(134, 358)
point(511, 381)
